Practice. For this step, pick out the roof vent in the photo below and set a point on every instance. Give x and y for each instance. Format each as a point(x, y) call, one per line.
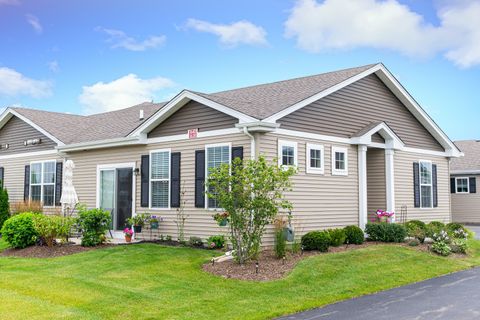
point(140, 116)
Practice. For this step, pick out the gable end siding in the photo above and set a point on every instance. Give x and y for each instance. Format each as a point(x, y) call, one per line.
point(16, 131)
point(350, 109)
point(193, 115)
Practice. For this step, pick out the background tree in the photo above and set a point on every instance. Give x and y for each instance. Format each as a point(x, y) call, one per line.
point(252, 193)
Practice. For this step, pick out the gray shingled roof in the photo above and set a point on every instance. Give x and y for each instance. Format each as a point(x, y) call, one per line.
point(471, 160)
point(259, 101)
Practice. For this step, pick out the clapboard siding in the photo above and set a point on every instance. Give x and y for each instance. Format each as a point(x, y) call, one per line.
point(350, 109)
point(466, 207)
point(193, 115)
point(15, 132)
point(376, 193)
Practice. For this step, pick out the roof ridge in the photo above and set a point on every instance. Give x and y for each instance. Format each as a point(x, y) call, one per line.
point(47, 111)
point(221, 97)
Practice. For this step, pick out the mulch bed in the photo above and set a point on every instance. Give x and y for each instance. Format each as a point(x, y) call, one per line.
point(47, 252)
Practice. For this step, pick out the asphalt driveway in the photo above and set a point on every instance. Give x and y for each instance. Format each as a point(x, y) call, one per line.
point(454, 296)
point(475, 229)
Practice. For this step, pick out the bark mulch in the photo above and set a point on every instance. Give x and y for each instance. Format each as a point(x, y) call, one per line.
point(47, 252)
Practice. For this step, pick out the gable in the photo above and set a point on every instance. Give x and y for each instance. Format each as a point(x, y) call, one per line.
point(193, 115)
point(16, 131)
point(351, 108)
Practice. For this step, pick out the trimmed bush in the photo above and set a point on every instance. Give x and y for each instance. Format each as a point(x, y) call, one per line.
point(456, 230)
point(354, 235)
point(459, 246)
point(94, 224)
point(316, 240)
point(441, 248)
point(19, 231)
point(280, 246)
point(434, 227)
point(416, 229)
point(51, 227)
point(195, 242)
point(4, 206)
point(386, 232)
point(216, 242)
point(337, 237)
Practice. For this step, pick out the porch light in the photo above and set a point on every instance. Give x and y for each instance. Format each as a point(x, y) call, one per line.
point(136, 171)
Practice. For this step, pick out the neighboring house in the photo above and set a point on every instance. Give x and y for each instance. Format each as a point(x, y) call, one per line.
point(465, 173)
point(359, 140)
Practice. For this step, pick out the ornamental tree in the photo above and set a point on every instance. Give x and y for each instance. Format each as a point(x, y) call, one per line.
point(252, 193)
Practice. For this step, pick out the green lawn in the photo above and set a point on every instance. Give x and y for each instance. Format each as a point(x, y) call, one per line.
point(154, 282)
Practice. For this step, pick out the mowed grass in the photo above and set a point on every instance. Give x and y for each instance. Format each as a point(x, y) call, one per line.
point(149, 281)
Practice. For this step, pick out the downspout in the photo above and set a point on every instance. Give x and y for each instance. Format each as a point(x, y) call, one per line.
point(252, 143)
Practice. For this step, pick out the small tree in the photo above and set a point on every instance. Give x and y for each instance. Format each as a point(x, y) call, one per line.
point(252, 192)
point(181, 216)
point(4, 206)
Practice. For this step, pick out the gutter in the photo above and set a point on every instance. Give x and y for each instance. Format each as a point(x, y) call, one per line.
point(256, 127)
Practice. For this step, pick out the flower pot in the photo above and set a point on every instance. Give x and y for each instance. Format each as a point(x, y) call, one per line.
point(128, 238)
point(137, 229)
point(223, 222)
point(154, 225)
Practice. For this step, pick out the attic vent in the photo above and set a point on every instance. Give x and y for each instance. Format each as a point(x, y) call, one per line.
point(32, 142)
point(140, 116)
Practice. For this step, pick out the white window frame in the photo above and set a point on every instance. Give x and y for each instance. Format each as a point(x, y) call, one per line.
point(456, 185)
point(309, 168)
point(41, 184)
point(425, 184)
point(285, 143)
point(207, 146)
point(339, 172)
point(150, 180)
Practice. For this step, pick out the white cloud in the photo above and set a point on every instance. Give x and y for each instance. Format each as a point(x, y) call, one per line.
point(35, 23)
point(240, 32)
point(13, 83)
point(120, 39)
point(345, 24)
point(121, 93)
point(9, 2)
point(54, 66)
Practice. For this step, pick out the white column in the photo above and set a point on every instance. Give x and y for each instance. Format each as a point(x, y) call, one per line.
point(390, 179)
point(362, 186)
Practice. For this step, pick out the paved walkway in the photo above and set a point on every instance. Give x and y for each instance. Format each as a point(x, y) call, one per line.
point(455, 296)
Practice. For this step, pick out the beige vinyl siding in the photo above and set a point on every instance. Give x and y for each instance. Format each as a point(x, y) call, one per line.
point(404, 187)
point(319, 201)
point(193, 115)
point(15, 132)
point(199, 221)
point(466, 206)
point(350, 109)
point(376, 192)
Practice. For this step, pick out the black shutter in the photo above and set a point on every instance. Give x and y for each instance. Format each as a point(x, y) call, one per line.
point(175, 180)
point(452, 186)
point(237, 152)
point(416, 184)
point(200, 179)
point(145, 176)
point(58, 183)
point(2, 175)
point(26, 184)
point(434, 185)
point(472, 184)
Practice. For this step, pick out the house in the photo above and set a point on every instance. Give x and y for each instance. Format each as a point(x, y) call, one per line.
point(464, 173)
point(359, 140)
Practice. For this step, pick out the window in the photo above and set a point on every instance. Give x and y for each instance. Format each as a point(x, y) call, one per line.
point(339, 161)
point(42, 182)
point(287, 153)
point(426, 194)
point(462, 185)
point(160, 179)
point(315, 158)
point(216, 155)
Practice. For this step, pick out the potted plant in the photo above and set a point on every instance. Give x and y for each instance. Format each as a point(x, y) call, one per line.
point(384, 216)
point(128, 234)
point(137, 222)
point(154, 221)
point(221, 218)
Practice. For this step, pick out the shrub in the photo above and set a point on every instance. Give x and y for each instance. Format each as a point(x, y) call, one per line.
point(280, 243)
point(354, 235)
point(316, 240)
point(216, 242)
point(337, 237)
point(456, 230)
point(93, 223)
point(195, 242)
point(386, 232)
point(459, 245)
point(4, 206)
point(434, 227)
point(442, 248)
point(19, 230)
point(27, 206)
point(416, 229)
point(51, 227)
point(296, 246)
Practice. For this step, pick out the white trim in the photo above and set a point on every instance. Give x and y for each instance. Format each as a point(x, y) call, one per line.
point(362, 186)
point(150, 179)
point(214, 145)
point(42, 184)
point(392, 141)
point(456, 185)
point(471, 172)
point(390, 179)
point(179, 101)
point(315, 170)
point(7, 115)
point(425, 184)
point(204, 134)
point(98, 144)
point(285, 143)
point(29, 154)
point(339, 172)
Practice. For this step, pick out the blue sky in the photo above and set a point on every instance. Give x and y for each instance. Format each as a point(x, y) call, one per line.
point(91, 56)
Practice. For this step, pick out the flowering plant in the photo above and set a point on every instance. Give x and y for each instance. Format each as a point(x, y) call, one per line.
point(460, 234)
point(153, 218)
point(381, 213)
point(221, 216)
point(128, 232)
point(441, 236)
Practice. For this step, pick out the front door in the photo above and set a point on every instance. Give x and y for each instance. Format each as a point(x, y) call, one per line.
point(116, 194)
